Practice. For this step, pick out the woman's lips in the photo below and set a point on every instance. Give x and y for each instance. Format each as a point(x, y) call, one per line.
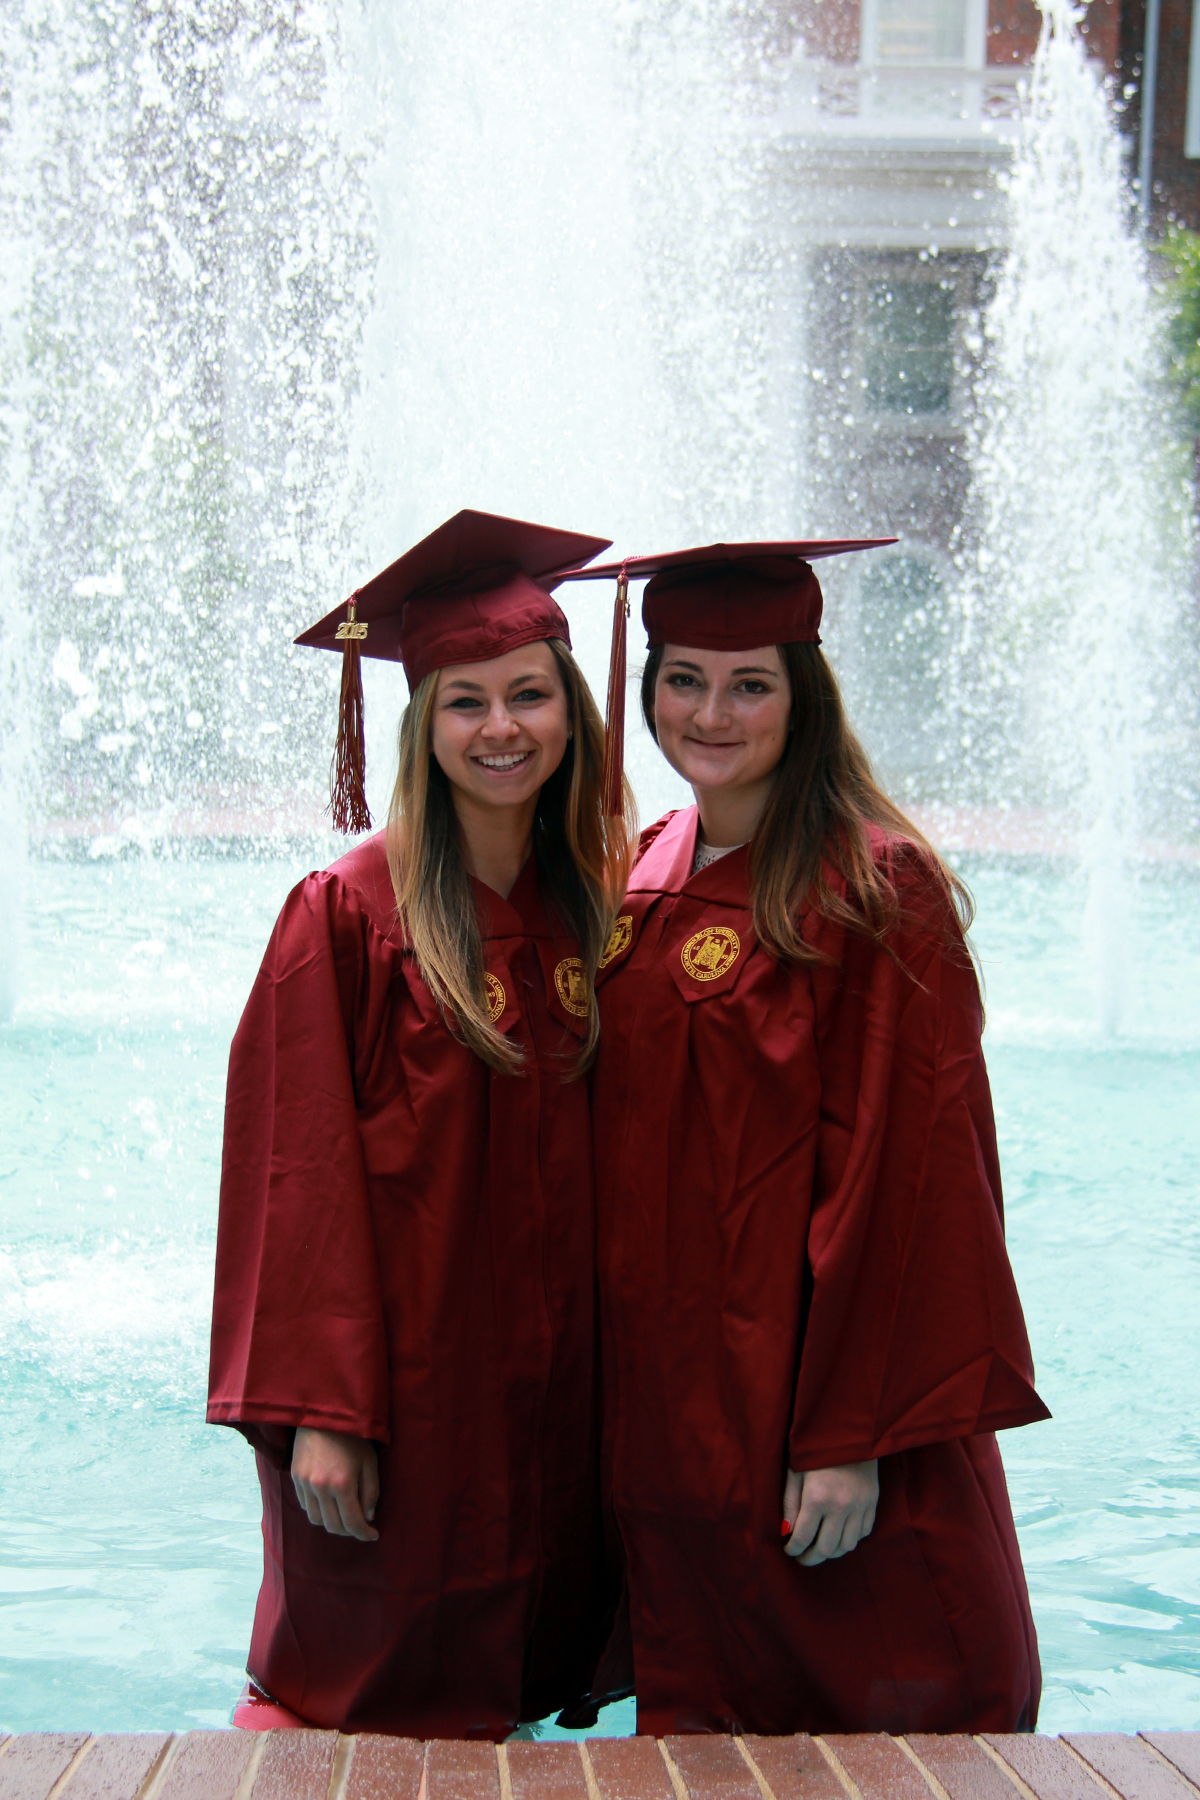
point(511, 759)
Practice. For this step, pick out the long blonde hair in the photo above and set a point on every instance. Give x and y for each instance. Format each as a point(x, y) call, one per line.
point(582, 863)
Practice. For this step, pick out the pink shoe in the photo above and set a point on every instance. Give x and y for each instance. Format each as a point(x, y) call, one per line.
point(256, 1711)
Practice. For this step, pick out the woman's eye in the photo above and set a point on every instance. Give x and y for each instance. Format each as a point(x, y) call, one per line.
point(464, 703)
point(529, 694)
point(681, 681)
point(755, 687)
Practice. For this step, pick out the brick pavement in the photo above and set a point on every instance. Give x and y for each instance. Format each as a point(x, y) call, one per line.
point(321, 1765)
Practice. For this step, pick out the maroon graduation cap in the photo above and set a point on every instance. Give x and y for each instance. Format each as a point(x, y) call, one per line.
point(475, 588)
point(716, 597)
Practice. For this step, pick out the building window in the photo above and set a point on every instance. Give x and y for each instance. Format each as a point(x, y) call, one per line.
point(908, 347)
point(923, 33)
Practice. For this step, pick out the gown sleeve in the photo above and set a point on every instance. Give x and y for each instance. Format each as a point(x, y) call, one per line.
point(298, 1330)
point(914, 1332)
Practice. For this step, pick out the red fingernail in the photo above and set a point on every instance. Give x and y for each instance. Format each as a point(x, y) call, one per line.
point(786, 1529)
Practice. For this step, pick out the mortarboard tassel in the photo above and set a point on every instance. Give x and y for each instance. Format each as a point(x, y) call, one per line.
point(348, 771)
point(614, 721)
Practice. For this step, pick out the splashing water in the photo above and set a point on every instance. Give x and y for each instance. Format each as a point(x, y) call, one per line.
point(14, 735)
point(1082, 504)
point(291, 283)
point(559, 322)
point(191, 276)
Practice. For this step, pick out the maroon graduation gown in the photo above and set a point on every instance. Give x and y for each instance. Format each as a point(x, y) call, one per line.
point(406, 1253)
point(802, 1259)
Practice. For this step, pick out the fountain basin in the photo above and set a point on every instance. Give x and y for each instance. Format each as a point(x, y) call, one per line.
point(129, 1532)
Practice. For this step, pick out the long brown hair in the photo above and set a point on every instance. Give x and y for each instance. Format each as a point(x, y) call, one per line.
point(582, 860)
point(822, 804)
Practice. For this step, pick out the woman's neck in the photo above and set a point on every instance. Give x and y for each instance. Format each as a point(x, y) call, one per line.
point(496, 841)
point(730, 816)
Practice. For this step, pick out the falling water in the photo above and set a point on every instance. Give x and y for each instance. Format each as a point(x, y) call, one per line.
point(560, 327)
point(290, 284)
point(1082, 499)
point(283, 286)
point(15, 696)
point(192, 271)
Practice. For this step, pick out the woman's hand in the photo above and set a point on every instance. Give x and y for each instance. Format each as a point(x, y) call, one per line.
point(336, 1479)
point(828, 1511)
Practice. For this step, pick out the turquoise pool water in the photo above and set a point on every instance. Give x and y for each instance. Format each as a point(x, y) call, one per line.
point(129, 1548)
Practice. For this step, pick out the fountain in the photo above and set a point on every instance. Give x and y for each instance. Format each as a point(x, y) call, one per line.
point(283, 287)
point(286, 312)
point(1075, 603)
point(194, 273)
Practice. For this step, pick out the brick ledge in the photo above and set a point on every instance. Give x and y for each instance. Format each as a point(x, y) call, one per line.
point(324, 1765)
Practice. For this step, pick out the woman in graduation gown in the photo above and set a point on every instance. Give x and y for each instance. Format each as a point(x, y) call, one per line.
point(808, 1311)
point(404, 1321)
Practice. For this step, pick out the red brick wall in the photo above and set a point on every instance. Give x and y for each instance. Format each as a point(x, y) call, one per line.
point(1176, 178)
point(1012, 30)
point(830, 28)
point(1102, 32)
point(1013, 27)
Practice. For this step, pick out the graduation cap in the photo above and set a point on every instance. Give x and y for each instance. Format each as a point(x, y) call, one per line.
point(475, 588)
point(716, 597)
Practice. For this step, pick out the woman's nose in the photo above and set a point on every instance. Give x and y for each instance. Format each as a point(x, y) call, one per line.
point(713, 711)
point(499, 722)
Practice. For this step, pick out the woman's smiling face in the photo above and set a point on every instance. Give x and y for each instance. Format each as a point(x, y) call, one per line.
point(722, 716)
point(500, 728)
